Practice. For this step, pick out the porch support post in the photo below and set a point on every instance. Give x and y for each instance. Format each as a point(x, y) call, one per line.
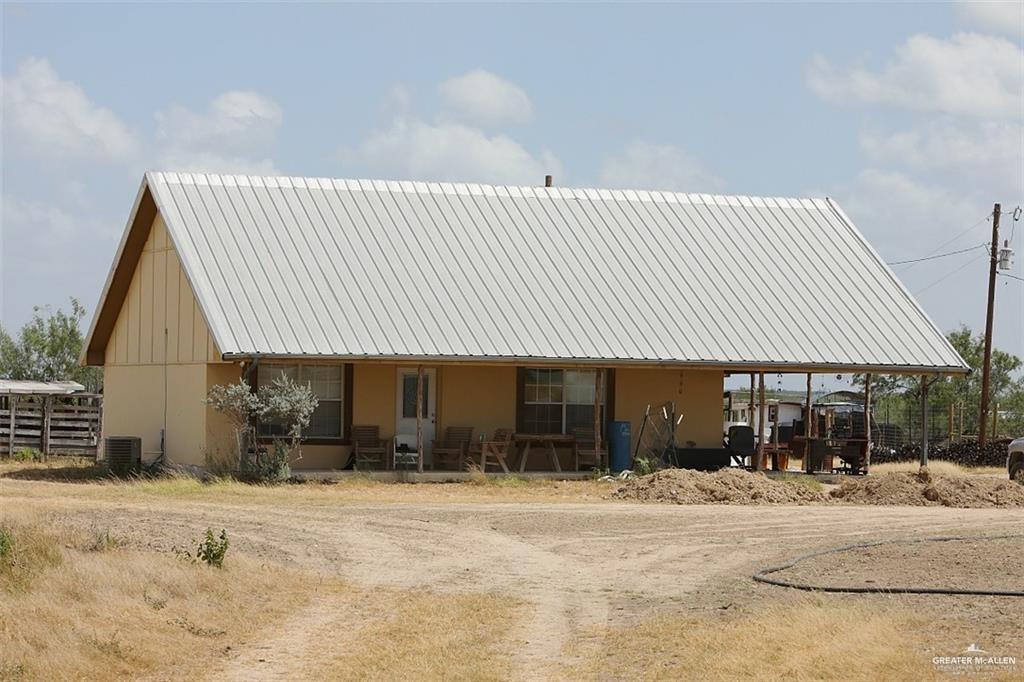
point(750, 402)
point(867, 422)
point(810, 405)
point(598, 389)
point(419, 418)
point(924, 420)
point(759, 464)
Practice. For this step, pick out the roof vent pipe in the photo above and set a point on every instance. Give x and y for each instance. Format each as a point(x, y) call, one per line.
point(548, 181)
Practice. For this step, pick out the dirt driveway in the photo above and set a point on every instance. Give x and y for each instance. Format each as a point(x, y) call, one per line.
point(576, 564)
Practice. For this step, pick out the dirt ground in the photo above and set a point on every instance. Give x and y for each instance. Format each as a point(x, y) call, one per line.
point(576, 565)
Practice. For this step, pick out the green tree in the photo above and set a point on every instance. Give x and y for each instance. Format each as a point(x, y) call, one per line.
point(1006, 386)
point(47, 349)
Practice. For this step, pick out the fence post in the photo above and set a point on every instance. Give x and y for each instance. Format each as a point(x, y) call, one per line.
point(949, 429)
point(924, 421)
point(10, 434)
point(45, 434)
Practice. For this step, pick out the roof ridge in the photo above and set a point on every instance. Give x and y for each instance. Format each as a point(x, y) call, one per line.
point(476, 188)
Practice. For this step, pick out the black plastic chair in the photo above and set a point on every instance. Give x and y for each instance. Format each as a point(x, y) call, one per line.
point(741, 444)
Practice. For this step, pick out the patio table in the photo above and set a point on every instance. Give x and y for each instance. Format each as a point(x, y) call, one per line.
point(551, 440)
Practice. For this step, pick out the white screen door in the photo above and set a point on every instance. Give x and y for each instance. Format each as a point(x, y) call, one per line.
point(405, 408)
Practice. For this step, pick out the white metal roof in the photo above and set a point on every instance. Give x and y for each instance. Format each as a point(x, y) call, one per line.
point(360, 268)
point(26, 387)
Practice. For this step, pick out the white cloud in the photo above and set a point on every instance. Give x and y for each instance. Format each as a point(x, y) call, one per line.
point(54, 118)
point(414, 149)
point(648, 166)
point(990, 147)
point(1006, 16)
point(231, 136)
point(46, 258)
point(39, 220)
point(970, 74)
point(484, 98)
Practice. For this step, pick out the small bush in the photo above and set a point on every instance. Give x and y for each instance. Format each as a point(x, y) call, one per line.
point(273, 466)
point(27, 455)
point(220, 463)
point(210, 550)
point(643, 466)
point(103, 542)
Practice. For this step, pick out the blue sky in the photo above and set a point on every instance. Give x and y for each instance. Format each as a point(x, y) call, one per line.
point(909, 114)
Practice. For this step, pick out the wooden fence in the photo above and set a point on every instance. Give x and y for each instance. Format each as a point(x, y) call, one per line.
point(51, 424)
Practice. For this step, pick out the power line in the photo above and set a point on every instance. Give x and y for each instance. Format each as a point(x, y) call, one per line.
point(941, 255)
point(1006, 274)
point(951, 273)
point(987, 217)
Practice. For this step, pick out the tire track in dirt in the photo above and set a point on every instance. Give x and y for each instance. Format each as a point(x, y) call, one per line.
point(560, 558)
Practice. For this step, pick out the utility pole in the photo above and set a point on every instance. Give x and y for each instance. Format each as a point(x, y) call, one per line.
point(987, 362)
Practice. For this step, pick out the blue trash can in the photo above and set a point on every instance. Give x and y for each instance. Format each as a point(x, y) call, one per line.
point(618, 446)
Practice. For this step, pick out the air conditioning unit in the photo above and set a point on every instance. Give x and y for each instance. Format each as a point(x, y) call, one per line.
point(124, 455)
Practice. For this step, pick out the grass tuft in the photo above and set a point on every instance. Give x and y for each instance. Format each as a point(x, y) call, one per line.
point(809, 482)
point(26, 550)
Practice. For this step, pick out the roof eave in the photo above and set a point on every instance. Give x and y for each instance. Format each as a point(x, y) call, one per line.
point(737, 367)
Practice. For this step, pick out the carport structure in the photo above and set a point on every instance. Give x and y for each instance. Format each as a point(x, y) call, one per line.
point(418, 306)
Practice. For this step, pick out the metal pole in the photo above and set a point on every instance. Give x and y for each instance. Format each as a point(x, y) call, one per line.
point(924, 421)
point(867, 422)
point(598, 388)
point(986, 367)
point(760, 425)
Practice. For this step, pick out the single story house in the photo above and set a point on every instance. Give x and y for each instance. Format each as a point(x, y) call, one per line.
point(513, 301)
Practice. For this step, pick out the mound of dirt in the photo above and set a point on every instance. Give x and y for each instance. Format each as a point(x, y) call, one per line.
point(726, 486)
point(924, 489)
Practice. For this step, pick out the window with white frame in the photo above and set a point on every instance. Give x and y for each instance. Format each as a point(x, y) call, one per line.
point(558, 400)
point(327, 383)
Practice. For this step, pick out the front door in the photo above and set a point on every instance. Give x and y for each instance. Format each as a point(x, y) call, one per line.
point(405, 409)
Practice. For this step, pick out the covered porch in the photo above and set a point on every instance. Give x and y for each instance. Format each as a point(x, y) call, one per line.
point(459, 416)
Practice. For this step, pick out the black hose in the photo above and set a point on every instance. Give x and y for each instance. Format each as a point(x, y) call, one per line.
point(762, 576)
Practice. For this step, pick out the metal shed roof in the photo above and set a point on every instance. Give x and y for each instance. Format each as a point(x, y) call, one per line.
point(27, 387)
point(319, 267)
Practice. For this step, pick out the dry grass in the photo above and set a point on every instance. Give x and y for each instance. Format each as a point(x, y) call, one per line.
point(16, 477)
point(936, 466)
point(78, 607)
point(810, 640)
point(428, 636)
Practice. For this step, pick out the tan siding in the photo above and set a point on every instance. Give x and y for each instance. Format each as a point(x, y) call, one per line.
point(218, 433)
point(160, 307)
point(199, 333)
point(171, 306)
point(132, 320)
point(477, 396)
point(160, 298)
point(147, 332)
point(697, 394)
point(151, 375)
point(187, 315)
point(133, 401)
point(121, 331)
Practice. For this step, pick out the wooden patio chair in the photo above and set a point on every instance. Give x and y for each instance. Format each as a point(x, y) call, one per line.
point(496, 449)
point(369, 448)
point(584, 448)
point(451, 451)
